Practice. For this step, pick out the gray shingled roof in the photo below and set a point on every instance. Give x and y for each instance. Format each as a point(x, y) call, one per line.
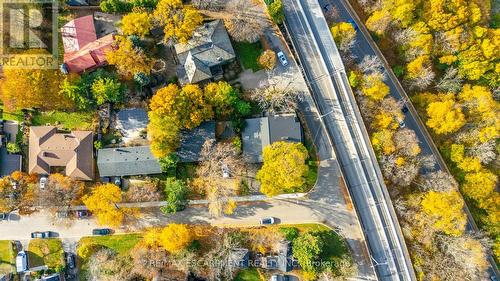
point(209, 46)
point(127, 161)
point(260, 132)
point(193, 140)
point(9, 162)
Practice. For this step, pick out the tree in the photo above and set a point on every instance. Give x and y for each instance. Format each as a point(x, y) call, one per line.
point(168, 163)
point(244, 24)
point(146, 191)
point(223, 265)
point(179, 21)
point(106, 265)
point(215, 160)
point(344, 35)
point(107, 89)
point(275, 10)
point(445, 116)
point(163, 134)
point(222, 96)
point(211, 5)
point(374, 88)
point(438, 181)
point(277, 94)
point(60, 192)
point(102, 201)
point(267, 59)
point(451, 81)
point(419, 72)
point(371, 65)
point(136, 23)
point(378, 22)
point(479, 185)
point(446, 211)
point(13, 148)
point(148, 261)
point(128, 59)
point(115, 6)
point(26, 88)
point(16, 192)
point(307, 249)
point(187, 107)
point(284, 168)
point(406, 142)
point(176, 192)
point(175, 237)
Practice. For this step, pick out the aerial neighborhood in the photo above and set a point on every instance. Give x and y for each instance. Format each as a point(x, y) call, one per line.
point(251, 140)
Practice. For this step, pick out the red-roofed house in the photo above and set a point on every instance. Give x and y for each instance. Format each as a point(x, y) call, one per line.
point(82, 50)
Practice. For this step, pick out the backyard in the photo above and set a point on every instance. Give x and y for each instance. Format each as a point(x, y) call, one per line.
point(250, 274)
point(67, 120)
point(7, 256)
point(248, 54)
point(45, 252)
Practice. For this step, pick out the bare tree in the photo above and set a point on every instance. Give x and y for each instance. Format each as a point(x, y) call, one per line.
point(406, 142)
point(246, 23)
point(486, 151)
point(148, 261)
point(278, 93)
point(371, 64)
point(220, 169)
point(423, 80)
point(399, 174)
point(437, 181)
point(451, 81)
point(106, 265)
point(223, 264)
point(142, 192)
point(60, 192)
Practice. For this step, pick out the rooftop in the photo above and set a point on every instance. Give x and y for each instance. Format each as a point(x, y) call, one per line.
point(127, 161)
point(193, 140)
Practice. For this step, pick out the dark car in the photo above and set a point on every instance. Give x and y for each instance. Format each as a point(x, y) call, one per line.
point(41, 234)
point(70, 260)
point(101, 231)
point(3, 216)
point(404, 109)
point(353, 23)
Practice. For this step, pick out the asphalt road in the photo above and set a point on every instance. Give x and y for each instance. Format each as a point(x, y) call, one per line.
point(326, 76)
point(365, 46)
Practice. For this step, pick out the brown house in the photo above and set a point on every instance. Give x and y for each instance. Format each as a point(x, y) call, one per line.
point(68, 153)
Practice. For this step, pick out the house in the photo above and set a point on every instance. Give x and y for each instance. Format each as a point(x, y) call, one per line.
point(240, 257)
point(83, 49)
point(202, 57)
point(52, 277)
point(9, 162)
point(261, 132)
point(282, 261)
point(193, 140)
point(127, 161)
point(69, 153)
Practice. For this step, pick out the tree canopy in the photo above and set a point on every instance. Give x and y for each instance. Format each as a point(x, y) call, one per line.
point(102, 202)
point(179, 21)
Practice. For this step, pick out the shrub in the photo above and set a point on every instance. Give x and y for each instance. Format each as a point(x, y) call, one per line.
point(290, 233)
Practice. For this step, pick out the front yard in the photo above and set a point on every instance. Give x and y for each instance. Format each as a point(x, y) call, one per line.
point(248, 54)
point(47, 252)
point(250, 274)
point(7, 257)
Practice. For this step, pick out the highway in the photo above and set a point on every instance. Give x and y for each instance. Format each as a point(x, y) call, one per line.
point(333, 96)
point(365, 46)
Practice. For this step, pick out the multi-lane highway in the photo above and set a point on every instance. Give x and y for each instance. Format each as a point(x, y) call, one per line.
point(327, 80)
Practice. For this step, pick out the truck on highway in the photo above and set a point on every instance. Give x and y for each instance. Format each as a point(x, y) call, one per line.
point(21, 262)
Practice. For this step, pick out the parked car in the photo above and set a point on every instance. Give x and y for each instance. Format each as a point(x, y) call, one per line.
point(106, 180)
point(404, 108)
point(101, 231)
point(21, 262)
point(81, 214)
point(282, 58)
point(402, 124)
point(4, 216)
point(70, 260)
point(225, 171)
point(41, 234)
point(267, 221)
point(43, 182)
point(117, 181)
point(62, 214)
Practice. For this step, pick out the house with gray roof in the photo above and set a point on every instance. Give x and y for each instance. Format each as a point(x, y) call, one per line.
point(261, 132)
point(127, 161)
point(202, 57)
point(191, 141)
point(9, 162)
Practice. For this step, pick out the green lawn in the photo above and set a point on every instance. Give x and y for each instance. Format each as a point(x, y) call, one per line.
point(249, 274)
point(121, 244)
point(7, 257)
point(248, 54)
point(45, 252)
point(68, 120)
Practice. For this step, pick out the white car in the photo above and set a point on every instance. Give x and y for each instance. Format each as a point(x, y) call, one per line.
point(43, 182)
point(282, 58)
point(225, 171)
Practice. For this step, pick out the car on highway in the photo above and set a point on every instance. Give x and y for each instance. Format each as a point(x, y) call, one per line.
point(282, 58)
point(402, 124)
point(43, 182)
point(101, 231)
point(70, 260)
point(404, 108)
point(267, 221)
point(41, 234)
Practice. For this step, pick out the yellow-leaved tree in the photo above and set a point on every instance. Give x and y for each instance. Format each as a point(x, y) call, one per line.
point(102, 203)
point(479, 185)
point(344, 35)
point(446, 211)
point(445, 116)
point(128, 59)
point(136, 23)
point(179, 21)
point(267, 59)
point(378, 21)
point(175, 237)
point(374, 88)
point(284, 168)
